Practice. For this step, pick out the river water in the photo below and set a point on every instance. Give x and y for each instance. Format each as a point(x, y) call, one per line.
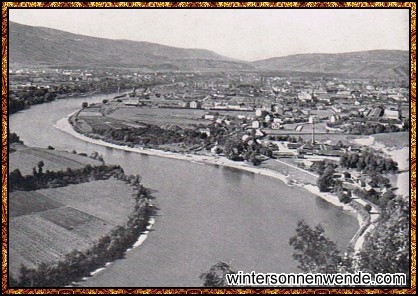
point(207, 213)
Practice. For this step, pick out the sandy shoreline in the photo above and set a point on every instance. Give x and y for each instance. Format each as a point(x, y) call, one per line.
point(64, 125)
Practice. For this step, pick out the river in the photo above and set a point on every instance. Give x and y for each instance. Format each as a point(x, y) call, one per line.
point(206, 213)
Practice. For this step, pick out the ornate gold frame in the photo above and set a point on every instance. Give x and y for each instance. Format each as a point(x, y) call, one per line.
point(407, 5)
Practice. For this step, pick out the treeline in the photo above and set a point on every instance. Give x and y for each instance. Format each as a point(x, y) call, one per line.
point(109, 248)
point(30, 96)
point(48, 179)
point(367, 161)
point(375, 128)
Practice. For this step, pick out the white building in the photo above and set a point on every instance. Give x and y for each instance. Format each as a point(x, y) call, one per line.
point(391, 114)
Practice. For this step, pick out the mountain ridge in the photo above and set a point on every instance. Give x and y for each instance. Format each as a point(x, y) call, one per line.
point(31, 46)
point(371, 63)
point(40, 46)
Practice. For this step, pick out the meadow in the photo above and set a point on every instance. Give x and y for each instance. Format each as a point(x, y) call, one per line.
point(26, 158)
point(45, 225)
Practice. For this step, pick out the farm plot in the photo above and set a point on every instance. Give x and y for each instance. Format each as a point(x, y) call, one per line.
point(26, 159)
point(30, 202)
point(102, 123)
point(49, 223)
point(161, 116)
point(110, 200)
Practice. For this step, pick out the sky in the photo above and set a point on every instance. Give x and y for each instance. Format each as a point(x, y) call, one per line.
point(244, 34)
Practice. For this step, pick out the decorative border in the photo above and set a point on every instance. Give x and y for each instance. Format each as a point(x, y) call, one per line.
point(339, 5)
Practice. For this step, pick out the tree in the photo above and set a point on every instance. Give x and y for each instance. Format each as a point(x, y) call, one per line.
point(325, 181)
point(216, 276)
point(386, 249)
point(315, 252)
point(40, 166)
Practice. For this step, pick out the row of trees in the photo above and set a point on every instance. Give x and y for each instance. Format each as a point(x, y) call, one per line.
point(48, 179)
point(22, 99)
point(368, 161)
point(109, 248)
point(371, 128)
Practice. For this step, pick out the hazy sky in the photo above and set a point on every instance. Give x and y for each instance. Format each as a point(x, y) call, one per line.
point(247, 34)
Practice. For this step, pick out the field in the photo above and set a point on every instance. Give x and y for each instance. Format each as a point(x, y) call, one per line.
point(393, 140)
point(26, 158)
point(160, 116)
point(128, 115)
point(46, 224)
point(295, 174)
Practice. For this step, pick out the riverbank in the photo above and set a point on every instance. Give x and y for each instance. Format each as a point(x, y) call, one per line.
point(76, 229)
point(400, 154)
point(65, 126)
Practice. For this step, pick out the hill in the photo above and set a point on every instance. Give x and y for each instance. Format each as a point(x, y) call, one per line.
point(374, 64)
point(44, 47)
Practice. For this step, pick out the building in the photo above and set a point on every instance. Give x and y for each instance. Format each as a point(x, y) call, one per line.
point(334, 118)
point(205, 131)
point(194, 105)
point(313, 119)
point(391, 114)
point(255, 124)
point(303, 96)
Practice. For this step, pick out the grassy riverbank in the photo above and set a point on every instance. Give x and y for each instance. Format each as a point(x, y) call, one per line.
point(66, 223)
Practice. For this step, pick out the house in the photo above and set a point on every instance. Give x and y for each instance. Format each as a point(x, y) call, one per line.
point(255, 124)
point(334, 118)
point(268, 118)
point(194, 105)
